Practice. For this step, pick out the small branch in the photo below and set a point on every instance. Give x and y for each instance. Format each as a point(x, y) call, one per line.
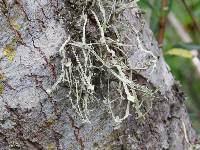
point(191, 15)
point(162, 22)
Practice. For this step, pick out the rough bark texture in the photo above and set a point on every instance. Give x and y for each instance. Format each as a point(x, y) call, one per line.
point(32, 119)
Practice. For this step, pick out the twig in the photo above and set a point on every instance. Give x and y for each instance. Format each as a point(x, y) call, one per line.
point(191, 15)
point(162, 22)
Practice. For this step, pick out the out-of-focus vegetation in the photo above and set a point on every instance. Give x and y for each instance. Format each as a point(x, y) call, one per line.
point(188, 14)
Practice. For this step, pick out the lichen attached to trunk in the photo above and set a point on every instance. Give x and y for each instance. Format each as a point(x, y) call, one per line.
point(94, 66)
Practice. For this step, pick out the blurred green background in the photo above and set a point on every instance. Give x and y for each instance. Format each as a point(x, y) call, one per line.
point(187, 12)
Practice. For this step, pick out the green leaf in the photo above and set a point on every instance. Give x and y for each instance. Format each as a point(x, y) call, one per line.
point(180, 52)
point(188, 46)
point(146, 3)
point(170, 3)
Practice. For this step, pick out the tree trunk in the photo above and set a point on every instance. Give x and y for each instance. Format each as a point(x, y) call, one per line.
point(35, 107)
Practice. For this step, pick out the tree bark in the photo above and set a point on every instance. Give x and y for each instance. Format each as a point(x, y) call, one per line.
point(32, 31)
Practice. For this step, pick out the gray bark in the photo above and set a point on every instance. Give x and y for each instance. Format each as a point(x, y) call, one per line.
point(30, 118)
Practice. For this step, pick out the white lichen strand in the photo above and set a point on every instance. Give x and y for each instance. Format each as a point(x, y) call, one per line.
point(109, 55)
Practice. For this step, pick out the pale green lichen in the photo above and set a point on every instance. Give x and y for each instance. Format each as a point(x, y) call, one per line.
point(9, 52)
point(15, 25)
point(51, 146)
point(1, 83)
point(1, 88)
point(106, 56)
